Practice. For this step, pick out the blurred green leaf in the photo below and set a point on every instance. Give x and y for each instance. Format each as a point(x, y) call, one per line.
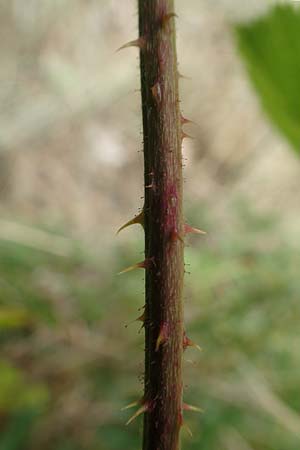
point(15, 391)
point(14, 318)
point(270, 46)
point(17, 435)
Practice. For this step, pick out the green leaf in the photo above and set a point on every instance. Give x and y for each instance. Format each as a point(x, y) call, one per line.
point(17, 393)
point(14, 318)
point(270, 46)
point(17, 434)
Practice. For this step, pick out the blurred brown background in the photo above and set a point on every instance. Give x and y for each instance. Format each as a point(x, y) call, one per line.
point(70, 115)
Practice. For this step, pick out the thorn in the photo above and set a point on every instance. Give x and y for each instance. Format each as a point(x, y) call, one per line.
point(187, 429)
point(149, 186)
point(141, 318)
point(139, 265)
point(131, 405)
point(140, 43)
point(140, 411)
point(187, 407)
point(184, 120)
point(184, 135)
point(167, 17)
point(163, 335)
point(187, 342)
point(146, 264)
point(156, 92)
point(137, 219)
point(188, 229)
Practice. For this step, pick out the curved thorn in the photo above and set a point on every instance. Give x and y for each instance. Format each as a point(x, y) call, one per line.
point(139, 219)
point(146, 264)
point(184, 120)
point(167, 17)
point(140, 411)
point(187, 429)
point(196, 346)
point(186, 136)
point(187, 407)
point(187, 342)
point(140, 43)
point(188, 229)
point(140, 265)
point(131, 405)
point(141, 318)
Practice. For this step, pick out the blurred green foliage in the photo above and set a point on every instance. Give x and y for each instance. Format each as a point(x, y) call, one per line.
point(270, 46)
point(68, 363)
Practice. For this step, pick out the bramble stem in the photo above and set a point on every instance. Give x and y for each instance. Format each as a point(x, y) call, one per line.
point(164, 227)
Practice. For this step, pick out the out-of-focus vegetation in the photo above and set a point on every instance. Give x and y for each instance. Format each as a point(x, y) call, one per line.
point(69, 362)
point(271, 48)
